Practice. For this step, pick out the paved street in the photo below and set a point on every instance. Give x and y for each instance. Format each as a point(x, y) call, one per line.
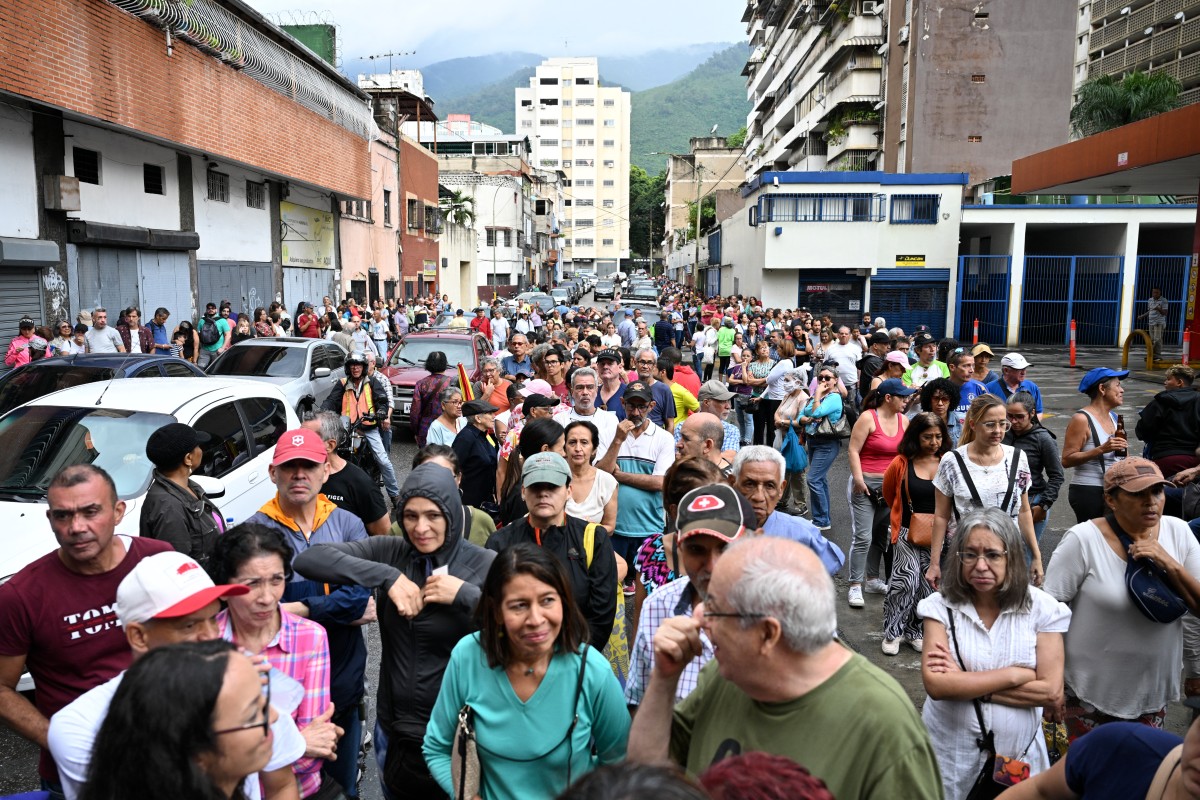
point(860, 628)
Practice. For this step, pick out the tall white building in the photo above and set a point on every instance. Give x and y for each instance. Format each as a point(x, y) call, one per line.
point(581, 128)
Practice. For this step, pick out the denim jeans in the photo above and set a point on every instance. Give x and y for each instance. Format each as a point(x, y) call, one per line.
point(863, 511)
point(381, 349)
point(821, 455)
point(374, 439)
point(381, 748)
point(745, 418)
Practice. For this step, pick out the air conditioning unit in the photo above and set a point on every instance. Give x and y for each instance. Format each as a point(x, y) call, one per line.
point(872, 7)
point(902, 36)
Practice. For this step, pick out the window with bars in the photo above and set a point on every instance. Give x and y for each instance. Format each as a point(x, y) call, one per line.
point(610, 123)
point(584, 202)
point(218, 186)
point(433, 219)
point(607, 242)
point(610, 103)
point(915, 209)
point(416, 215)
point(610, 163)
point(584, 101)
point(584, 242)
point(854, 207)
point(610, 183)
point(610, 142)
point(608, 203)
point(549, 142)
point(152, 179)
point(87, 165)
point(387, 207)
point(585, 142)
point(585, 122)
point(256, 194)
point(585, 223)
point(549, 162)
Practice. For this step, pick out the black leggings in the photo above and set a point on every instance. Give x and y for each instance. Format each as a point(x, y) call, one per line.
point(1086, 501)
point(764, 421)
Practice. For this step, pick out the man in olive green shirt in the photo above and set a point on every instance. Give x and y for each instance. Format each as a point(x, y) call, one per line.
point(781, 684)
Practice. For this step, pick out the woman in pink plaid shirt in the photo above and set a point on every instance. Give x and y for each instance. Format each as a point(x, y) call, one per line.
point(257, 556)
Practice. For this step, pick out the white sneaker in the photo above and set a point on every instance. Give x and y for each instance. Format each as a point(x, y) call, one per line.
point(891, 647)
point(917, 644)
point(854, 597)
point(876, 586)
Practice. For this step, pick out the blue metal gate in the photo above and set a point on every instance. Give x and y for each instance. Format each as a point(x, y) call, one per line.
point(1170, 275)
point(1058, 289)
point(906, 298)
point(983, 287)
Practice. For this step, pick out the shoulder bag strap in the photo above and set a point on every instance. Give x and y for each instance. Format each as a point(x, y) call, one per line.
point(966, 474)
point(985, 742)
point(1158, 787)
point(1012, 478)
point(1095, 437)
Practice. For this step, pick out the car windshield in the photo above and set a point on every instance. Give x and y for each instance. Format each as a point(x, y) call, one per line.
point(32, 383)
point(604, 285)
point(416, 349)
point(38, 441)
point(263, 361)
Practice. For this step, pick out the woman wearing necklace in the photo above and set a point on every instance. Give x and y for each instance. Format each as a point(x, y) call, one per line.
point(982, 472)
point(541, 701)
point(258, 557)
point(1139, 672)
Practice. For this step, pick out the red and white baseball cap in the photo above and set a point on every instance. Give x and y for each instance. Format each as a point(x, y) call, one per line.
point(168, 585)
point(716, 510)
point(300, 443)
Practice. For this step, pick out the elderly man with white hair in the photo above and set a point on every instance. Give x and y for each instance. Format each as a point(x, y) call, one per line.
point(758, 474)
point(781, 683)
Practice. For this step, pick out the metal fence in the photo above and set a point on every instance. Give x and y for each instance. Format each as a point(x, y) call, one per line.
point(1058, 289)
point(983, 287)
point(1170, 275)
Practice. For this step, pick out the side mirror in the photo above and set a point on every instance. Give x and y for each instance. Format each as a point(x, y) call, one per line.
point(321, 372)
point(213, 487)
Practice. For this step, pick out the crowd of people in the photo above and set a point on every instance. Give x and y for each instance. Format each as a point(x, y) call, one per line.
point(609, 572)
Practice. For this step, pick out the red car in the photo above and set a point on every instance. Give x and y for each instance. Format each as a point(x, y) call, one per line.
point(406, 363)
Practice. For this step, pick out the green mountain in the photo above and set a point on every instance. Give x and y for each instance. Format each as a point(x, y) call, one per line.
point(666, 117)
point(494, 104)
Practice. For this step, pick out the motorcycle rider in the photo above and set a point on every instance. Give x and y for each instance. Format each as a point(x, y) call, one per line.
point(358, 395)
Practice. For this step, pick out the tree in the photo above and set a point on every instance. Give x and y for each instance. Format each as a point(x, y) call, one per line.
point(646, 213)
point(458, 208)
point(1108, 102)
point(738, 139)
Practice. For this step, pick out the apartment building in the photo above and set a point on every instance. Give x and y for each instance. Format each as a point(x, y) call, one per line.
point(581, 128)
point(1116, 37)
point(906, 85)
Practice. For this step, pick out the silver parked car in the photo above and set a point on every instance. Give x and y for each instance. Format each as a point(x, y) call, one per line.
point(303, 369)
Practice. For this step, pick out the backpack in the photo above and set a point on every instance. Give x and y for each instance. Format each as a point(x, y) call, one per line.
point(209, 333)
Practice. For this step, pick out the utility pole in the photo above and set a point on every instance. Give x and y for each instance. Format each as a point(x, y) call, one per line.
point(696, 268)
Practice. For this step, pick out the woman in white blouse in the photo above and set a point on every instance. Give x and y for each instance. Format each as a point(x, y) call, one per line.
point(593, 492)
point(999, 474)
point(991, 639)
point(445, 427)
point(1120, 664)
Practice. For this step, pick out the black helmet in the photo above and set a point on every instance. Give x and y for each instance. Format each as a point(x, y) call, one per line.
point(356, 358)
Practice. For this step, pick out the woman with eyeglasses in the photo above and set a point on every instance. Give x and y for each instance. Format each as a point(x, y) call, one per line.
point(189, 720)
point(258, 557)
point(983, 472)
point(447, 425)
point(993, 654)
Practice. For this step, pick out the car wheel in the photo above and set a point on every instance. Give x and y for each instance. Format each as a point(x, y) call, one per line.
point(305, 406)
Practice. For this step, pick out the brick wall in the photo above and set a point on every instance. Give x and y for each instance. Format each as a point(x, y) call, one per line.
point(90, 57)
point(418, 179)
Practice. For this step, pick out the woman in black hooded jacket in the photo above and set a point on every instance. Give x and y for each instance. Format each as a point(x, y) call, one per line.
point(432, 577)
point(1045, 464)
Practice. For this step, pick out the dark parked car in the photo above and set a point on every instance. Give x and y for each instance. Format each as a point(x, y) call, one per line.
point(40, 378)
point(406, 363)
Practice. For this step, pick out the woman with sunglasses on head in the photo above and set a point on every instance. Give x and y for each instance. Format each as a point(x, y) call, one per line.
point(993, 657)
point(983, 472)
point(1139, 671)
point(189, 720)
point(258, 557)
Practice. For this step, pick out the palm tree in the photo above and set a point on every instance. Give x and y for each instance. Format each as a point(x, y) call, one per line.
point(1108, 102)
point(458, 208)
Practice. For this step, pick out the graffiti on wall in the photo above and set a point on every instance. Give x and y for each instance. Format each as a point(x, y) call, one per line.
point(56, 294)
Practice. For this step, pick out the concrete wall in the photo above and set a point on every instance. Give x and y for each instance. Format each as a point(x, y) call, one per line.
point(234, 231)
point(373, 244)
point(460, 278)
point(19, 196)
point(120, 197)
point(418, 181)
point(1023, 50)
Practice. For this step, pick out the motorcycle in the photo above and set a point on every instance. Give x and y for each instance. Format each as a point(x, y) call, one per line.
point(354, 447)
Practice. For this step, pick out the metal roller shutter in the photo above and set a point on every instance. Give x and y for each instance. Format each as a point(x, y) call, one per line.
point(906, 298)
point(108, 278)
point(165, 283)
point(247, 285)
point(20, 296)
point(306, 284)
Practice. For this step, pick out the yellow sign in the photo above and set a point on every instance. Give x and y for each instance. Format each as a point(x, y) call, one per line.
point(430, 269)
point(1193, 275)
point(910, 261)
point(306, 236)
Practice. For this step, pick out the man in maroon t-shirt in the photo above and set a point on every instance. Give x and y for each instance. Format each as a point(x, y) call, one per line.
point(57, 615)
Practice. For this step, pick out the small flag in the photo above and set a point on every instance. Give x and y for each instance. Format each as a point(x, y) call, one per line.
point(464, 384)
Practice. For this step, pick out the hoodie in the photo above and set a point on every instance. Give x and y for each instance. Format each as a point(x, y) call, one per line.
point(415, 651)
point(334, 606)
point(1039, 446)
point(1170, 423)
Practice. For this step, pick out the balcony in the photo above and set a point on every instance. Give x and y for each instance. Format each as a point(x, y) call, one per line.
point(854, 135)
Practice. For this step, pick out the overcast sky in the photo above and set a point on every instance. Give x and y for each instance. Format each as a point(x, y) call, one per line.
point(441, 30)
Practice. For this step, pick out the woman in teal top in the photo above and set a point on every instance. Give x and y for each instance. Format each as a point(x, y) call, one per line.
point(544, 715)
point(822, 450)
